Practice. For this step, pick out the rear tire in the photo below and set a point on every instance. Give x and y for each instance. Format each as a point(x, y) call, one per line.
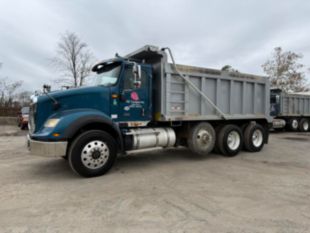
point(229, 140)
point(254, 137)
point(201, 138)
point(92, 153)
point(293, 124)
point(304, 125)
point(217, 131)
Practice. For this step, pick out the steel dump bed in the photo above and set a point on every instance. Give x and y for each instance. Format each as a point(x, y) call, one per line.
point(235, 95)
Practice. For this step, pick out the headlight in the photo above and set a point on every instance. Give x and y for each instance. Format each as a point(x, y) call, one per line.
point(51, 123)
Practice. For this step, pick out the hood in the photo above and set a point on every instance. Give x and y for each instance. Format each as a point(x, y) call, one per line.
point(97, 97)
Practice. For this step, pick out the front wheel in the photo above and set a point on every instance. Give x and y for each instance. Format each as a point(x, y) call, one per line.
point(92, 153)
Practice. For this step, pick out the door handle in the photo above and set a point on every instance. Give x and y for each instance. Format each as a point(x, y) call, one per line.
point(122, 97)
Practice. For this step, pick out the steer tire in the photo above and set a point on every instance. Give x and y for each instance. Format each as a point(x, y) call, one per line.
point(229, 140)
point(201, 138)
point(251, 141)
point(304, 125)
point(98, 151)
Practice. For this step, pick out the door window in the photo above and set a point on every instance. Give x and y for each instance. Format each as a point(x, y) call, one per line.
point(129, 79)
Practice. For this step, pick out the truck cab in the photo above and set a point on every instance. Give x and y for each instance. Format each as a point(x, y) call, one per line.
point(117, 95)
point(275, 97)
point(129, 88)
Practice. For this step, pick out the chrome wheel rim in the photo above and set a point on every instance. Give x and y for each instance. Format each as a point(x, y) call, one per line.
point(257, 138)
point(203, 139)
point(306, 126)
point(295, 124)
point(95, 154)
point(233, 140)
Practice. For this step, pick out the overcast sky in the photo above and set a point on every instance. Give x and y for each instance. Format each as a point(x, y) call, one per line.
point(202, 33)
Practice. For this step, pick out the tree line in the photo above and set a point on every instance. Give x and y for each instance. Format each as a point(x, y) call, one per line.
point(73, 61)
point(285, 71)
point(11, 94)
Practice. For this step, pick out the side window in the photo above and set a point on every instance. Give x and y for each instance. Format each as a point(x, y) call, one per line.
point(129, 79)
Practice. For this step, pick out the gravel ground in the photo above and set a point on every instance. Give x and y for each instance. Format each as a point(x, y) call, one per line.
point(162, 191)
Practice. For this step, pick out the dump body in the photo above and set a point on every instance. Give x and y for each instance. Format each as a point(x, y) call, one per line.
point(236, 95)
point(289, 105)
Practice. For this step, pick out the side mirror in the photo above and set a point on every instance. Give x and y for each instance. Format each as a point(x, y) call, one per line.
point(46, 88)
point(136, 70)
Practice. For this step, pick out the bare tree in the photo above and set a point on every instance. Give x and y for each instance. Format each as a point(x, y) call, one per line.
point(11, 97)
point(285, 72)
point(7, 91)
point(73, 59)
point(23, 98)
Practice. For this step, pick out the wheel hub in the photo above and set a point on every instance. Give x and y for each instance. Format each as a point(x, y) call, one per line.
point(203, 137)
point(295, 124)
point(306, 126)
point(95, 154)
point(233, 140)
point(257, 138)
point(203, 140)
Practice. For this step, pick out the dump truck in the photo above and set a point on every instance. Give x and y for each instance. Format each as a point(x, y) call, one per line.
point(142, 101)
point(291, 111)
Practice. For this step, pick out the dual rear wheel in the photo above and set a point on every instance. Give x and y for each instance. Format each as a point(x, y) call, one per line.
point(227, 139)
point(304, 125)
point(301, 125)
point(292, 125)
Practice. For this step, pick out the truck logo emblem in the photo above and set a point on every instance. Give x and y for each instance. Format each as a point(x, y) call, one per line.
point(134, 96)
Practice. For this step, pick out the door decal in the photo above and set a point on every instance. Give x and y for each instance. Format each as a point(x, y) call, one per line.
point(134, 96)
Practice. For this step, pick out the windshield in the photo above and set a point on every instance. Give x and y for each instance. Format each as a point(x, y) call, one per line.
point(107, 75)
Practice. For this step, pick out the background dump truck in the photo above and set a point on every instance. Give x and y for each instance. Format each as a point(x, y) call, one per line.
point(141, 101)
point(291, 111)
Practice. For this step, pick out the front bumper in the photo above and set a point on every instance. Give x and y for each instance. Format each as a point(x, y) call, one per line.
point(47, 149)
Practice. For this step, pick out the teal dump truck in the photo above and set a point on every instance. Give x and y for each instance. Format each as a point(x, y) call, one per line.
point(142, 101)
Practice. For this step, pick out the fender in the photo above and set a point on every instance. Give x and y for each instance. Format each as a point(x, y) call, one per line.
point(85, 121)
point(72, 121)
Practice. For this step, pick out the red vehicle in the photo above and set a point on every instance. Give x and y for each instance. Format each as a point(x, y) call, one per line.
point(22, 118)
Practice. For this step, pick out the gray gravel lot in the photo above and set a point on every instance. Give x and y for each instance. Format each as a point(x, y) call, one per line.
point(162, 191)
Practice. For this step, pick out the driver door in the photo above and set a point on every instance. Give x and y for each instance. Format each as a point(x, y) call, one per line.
point(135, 104)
